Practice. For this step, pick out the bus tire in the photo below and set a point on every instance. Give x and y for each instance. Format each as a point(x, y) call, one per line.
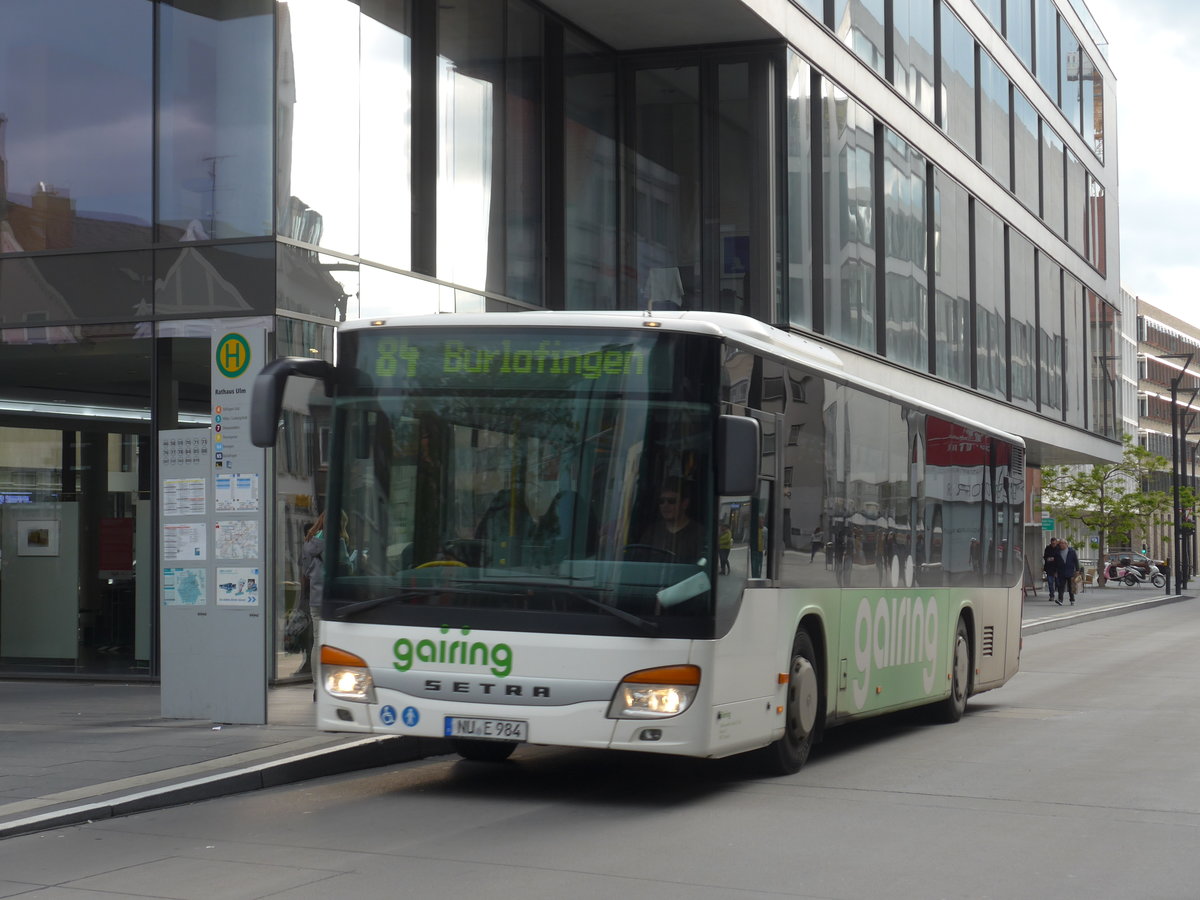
point(952, 708)
point(804, 711)
point(483, 751)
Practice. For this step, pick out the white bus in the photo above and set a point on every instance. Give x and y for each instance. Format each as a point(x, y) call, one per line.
point(681, 533)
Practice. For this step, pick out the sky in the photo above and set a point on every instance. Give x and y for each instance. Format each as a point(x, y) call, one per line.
point(1152, 49)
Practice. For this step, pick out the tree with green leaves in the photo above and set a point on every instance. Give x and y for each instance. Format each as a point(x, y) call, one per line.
point(1111, 498)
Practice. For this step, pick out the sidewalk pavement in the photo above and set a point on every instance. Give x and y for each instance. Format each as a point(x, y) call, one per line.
point(75, 751)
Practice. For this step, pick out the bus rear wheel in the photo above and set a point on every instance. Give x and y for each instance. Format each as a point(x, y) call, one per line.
point(484, 751)
point(952, 708)
point(804, 711)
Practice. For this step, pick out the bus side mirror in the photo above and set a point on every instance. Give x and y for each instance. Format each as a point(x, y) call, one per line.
point(266, 400)
point(737, 455)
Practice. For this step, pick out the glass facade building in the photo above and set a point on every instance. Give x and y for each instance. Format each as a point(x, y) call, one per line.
point(922, 184)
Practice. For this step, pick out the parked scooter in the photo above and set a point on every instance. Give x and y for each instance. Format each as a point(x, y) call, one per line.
point(1132, 575)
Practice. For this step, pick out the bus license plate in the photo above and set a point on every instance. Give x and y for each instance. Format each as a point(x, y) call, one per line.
point(492, 729)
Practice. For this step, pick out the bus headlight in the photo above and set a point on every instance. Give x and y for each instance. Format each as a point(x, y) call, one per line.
point(346, 676)
point(655, 693)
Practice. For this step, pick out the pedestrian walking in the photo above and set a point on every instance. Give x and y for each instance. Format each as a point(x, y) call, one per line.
point(1065, 571)
point(1050, 568)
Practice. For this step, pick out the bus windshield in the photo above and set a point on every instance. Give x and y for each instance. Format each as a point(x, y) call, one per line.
point(552, 481)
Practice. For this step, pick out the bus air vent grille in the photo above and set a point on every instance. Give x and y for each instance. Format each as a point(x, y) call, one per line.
point(989, 641)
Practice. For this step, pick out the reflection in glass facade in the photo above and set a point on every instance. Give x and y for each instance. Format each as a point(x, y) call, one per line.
point(848, 144)
point(1019, 29)
point(952, 279)
point(1069, 77)
point(1104, 417)
point(1075, 369)
point(1054, 163)
point(317, 149)
point(1077, 207)
point(905, 239)
point(214, 121)
point(1045, 29)
point(859, 25)
point(76, 118)
point(590, 175)
point(1097, 247)
point(958, 81)
point(386, 126)
point(1026, 165)
point(912, 56)
point(994, 143)
point(991, 332)
point(1022, 321)
point(1050, 337)
point(799, 192)
point(1092, 82)
point(666, 210)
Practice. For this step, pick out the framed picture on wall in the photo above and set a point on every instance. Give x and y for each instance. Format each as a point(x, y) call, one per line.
point(37, 537)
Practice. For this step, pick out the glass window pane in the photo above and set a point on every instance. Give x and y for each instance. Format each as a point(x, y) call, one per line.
point(991, 338)
point(666, 202)
point(386, 122)
point(735, 167)
point(952, 278)
point(383, 292)
point(1050, 336)
point(799, 192)
point(521, 224)
point(75, 287)
point(590, 169)
point(848, 144)
point(1069, 82)
point(913, 62)
point(1025, 152)
point(1022, 320)
point(75, 124)
point(859, 24)
point(1105, 416)
point(214, 107)
point(994, 10)
point(958, 81)
point(202, 281)
point(1097, 245)
point(1075, 372)
point(994, 120)
point(1092, 82)
point(905, 245)
point(1045, 26)
point(1077, 207)
point(75, 459)
point(316, 284)
point(1053, 185)
point(1020, 30)
point(317, 119)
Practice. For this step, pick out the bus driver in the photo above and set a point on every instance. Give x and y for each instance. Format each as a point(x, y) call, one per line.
point(674, 530)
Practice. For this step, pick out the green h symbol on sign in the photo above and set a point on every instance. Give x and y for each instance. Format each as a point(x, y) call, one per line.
point(233, 355)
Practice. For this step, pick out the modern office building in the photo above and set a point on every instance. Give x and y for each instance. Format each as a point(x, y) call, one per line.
point(929, 186)
point(1168, 372)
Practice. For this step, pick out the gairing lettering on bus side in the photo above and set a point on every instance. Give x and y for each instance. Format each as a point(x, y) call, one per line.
point(467, 653)
point(900, 633)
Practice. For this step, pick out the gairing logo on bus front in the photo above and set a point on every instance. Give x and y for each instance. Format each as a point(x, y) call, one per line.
point(897, 632)
point(497, 657)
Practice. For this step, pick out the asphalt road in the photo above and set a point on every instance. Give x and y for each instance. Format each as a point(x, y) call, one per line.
point(1078, 779)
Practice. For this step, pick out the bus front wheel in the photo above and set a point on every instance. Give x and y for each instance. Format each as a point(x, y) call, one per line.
point(805, 709)
point(483, 751)
point(952, 708)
